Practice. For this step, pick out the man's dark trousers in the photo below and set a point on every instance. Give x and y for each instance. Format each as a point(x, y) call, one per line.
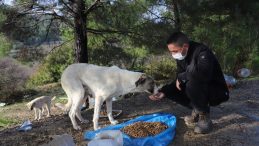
point(193, 94)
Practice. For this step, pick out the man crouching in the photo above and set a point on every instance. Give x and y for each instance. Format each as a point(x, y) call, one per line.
point(199, 83)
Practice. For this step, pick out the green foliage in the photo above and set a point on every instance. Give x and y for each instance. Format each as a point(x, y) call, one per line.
point(123, 22)
point(226, 29)
point(126, 33)
point(125, 39)
point(253, 62)
point(5, 45)
point(161, 68)
point(53, 66)
point(138, 52)
point(138, 56)
point(2, 17)
point(66, 33)
point(105, 52)
point(113, 51)
point(41, 76)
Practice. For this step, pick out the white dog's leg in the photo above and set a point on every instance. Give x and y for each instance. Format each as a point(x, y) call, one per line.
point(36, 114)
point(75, 92)
point(72, 115)
point(80, 118)
point(97, 108)
point(75, 108)
point(109, 112)
point(48, 110)
point(39, 112)
point(79, 115)
point(42, 111)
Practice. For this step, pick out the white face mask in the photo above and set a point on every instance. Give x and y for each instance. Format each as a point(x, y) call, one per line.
point(178, 56)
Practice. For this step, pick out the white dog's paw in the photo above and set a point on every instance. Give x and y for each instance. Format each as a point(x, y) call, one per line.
point(97, 128)
point(84, 121)
point(114, 122)
point(77, 127)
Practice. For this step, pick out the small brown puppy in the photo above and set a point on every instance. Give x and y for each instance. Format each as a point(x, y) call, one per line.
point(38, 105)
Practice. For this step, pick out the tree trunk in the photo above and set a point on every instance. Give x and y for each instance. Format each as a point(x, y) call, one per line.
point(177, 19)
point(80, 32)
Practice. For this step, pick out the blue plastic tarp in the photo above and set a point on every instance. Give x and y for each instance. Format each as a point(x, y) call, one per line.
point(162, 139)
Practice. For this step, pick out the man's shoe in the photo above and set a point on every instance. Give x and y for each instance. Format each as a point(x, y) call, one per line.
point(204, 124)
point(192, 119)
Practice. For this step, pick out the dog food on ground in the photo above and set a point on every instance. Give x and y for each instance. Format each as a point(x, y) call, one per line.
point(104, 113)
point(144, 129)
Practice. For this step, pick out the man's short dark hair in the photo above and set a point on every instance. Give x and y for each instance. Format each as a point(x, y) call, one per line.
point(178, 38)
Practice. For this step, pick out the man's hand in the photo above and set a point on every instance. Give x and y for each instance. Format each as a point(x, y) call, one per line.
point(178, 85)
point(157, 96)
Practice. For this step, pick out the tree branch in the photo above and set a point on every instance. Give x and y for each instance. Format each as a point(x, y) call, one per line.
point(67, 6)
point(92, 7)
point(129, 33)
point(54, 48)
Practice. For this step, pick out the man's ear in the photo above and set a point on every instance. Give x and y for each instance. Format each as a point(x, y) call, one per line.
point(141, 80)
point(186, 47)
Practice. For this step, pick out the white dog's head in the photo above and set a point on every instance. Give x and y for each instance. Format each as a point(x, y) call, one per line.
point(147, 84)
point(30, 105)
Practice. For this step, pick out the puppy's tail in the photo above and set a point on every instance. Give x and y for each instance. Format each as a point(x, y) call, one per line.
point(53, 98)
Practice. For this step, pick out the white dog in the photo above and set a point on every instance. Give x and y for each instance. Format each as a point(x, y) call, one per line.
point(38, 105)
point(102, 83)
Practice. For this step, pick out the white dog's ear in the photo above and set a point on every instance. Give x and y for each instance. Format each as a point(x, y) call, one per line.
point(32, 105)
point(141, 80)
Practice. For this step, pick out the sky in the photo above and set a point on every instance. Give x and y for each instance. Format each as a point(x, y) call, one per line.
point(8, 2)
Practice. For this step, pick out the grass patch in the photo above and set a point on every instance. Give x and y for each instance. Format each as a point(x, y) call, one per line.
point(255, 77)
point(6, 122)
point(61, 99)
point(13, 114)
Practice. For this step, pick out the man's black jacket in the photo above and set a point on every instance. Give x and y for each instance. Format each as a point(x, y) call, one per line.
point(201, 66)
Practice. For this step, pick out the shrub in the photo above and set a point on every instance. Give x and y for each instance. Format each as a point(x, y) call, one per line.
point(161, 67)
point(5, 45)
point(13, 77)
point(53, 66)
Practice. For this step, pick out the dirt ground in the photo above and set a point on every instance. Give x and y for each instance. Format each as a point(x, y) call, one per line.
point(236, 122)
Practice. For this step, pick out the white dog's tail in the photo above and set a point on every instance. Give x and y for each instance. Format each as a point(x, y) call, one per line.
point(65, 107)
